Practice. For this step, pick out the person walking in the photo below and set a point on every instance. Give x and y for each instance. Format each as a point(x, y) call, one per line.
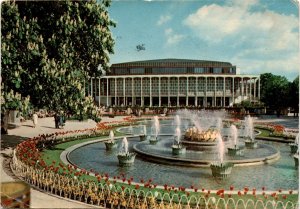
point(34, 119)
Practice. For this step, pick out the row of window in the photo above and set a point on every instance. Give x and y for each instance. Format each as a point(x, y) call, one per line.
point(174, 70)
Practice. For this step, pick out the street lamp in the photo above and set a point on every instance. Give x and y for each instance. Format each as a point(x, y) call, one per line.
point(103, 73)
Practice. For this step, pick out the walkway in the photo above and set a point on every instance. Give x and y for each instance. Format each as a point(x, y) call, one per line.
point(26, 130)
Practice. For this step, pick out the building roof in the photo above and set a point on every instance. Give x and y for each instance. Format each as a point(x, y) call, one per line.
point(172, 63)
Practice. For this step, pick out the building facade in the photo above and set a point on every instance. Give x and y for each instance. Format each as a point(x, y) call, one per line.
point(174, 82)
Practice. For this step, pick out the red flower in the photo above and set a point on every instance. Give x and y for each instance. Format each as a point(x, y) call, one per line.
point(137, 186)
point(239, 193)
point(195, 189)
point(291, 192)
point(231, 188)
point(284, 196)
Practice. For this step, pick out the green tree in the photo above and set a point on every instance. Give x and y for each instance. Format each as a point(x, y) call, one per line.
point(274, 92)
point(294, 96)
point(50, 48)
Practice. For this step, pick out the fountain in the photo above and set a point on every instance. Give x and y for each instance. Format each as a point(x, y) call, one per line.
point(155, 130)
point(234, 149)
point(130, 129)
point(111, 143)
point(294, 146)
point(161, 154)
point(125, 157)
point(296, 159)
point(221, 169)
point(249, 133)
point(143, 134)
point(177, 147)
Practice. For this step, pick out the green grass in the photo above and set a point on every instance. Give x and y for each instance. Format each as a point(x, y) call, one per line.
point(264, 132)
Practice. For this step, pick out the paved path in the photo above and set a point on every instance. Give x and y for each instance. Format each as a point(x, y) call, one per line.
point(22, 132)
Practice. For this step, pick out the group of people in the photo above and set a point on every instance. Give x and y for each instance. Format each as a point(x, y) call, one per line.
point(58, 118)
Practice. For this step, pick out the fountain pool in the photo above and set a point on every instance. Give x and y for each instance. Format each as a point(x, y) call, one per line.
point(280, 173)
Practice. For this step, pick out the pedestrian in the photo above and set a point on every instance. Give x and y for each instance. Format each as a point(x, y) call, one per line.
point(56, 120)
point(34, 119)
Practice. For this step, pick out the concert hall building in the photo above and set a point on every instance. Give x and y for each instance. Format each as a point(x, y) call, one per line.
point(174, 82)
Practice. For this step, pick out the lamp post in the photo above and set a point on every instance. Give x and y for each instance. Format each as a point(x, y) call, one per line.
point(103, 73)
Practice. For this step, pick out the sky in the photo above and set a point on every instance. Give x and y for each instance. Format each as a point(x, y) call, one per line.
point(257, 36)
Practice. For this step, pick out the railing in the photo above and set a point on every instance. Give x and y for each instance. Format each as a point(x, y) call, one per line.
point(108, 195)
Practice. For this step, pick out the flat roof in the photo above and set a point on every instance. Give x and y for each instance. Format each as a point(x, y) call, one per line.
point(171, 62)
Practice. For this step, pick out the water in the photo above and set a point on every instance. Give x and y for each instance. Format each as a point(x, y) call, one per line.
point(177, 135)
point(234, 135)
point(297, 139)
point(124, 146)
point(220, 148)
point(177, 121)
point(249, 130)
point(280, 174)
point(111, 136)
point(155, 126)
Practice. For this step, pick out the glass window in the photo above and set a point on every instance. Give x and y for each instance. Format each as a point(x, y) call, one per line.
point(217, 70)
point(137, 71)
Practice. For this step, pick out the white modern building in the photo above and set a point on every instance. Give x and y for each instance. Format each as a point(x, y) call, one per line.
point(174, 82)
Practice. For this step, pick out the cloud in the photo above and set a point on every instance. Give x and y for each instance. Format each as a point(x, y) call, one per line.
point(264, 38)
point(172, 38)
point(164, 19)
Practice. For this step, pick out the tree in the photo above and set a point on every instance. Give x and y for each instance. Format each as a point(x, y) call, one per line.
point(294, 96)
point(50, 48)
point(274, 92)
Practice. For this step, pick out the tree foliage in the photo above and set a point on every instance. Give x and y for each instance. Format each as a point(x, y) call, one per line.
point(275, 91)
point(49, 48)
point(294, 95)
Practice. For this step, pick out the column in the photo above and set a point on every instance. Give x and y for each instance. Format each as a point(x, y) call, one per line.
point(196, 92)
point(232, 90)
point(246, 88)
point(107, 92)
point(115, 91)
point(205, 94)
point(215, 99)
point(242, 89)
point(142, 103)
point(132, 92)
point(254, 89)
point(169, 92)
point(159, 93)
point(250, 89)
point(124, 92)
point(187, 92)
point(224, 91)
point(178, 91)
point(259, 89)
point(150, 91)
point(99, 93)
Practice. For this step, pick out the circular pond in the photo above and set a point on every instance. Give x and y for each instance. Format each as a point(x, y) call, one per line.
point(278, 174)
